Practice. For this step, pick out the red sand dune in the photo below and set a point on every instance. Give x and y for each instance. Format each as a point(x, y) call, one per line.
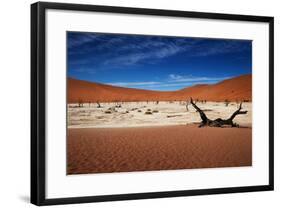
point(234, 89)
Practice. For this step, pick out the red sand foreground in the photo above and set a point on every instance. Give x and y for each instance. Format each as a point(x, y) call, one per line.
point(104, 150)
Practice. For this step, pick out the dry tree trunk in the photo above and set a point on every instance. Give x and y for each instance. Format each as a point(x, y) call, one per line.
point(80, 103)
point(217, 122)
point(226, 102)
point(98, 103)
point(187, 105)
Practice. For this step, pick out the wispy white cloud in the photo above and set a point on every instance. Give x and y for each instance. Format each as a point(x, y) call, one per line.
point(175, 76)
point(172, 81)
point(83, 39)
point(183, 85)
point(190, 78)
point(133, 84)
point(141, 55)
point(108, 50)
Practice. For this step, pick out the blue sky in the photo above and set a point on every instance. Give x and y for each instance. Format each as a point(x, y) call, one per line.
point(155, 62)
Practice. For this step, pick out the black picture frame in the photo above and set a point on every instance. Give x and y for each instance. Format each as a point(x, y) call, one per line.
point(38, 106)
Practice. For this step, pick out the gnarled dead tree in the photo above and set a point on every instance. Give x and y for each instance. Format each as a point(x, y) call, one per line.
point(217, 122)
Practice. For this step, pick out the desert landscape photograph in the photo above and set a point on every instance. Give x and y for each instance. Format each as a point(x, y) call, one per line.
point(157, 103)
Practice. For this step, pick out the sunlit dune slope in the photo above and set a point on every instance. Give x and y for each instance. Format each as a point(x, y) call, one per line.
point(234, 89)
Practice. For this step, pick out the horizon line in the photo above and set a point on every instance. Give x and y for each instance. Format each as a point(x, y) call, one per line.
point(197, 84)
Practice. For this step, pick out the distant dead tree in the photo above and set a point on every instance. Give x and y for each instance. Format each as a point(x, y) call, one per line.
point(226, 102)
point(217, 122)
point(98, 103)
point(187, 102)
point(80, 103)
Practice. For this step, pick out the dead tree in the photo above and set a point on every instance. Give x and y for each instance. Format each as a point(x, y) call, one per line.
point(187, 105)
point(217, 122)
point(226, 102)
point(80, 103)
point(98, 103)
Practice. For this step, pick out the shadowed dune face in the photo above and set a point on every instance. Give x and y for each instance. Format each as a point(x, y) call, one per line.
point(235, 89)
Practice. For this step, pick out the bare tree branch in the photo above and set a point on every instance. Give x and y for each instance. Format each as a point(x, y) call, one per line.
point(238, 112)
point(217, 122)
point(202, 114)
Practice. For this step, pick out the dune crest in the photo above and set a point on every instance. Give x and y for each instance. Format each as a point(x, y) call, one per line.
point(234, 89)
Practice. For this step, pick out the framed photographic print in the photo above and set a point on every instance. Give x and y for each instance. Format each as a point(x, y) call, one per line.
point(134, 103)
